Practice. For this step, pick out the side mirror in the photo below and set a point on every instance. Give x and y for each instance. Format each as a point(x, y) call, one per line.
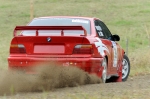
point(115, 37)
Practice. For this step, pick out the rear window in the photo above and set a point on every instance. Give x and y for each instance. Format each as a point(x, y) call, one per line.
point(59, 22)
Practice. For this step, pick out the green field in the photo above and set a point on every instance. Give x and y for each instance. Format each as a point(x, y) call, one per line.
point(129, 19)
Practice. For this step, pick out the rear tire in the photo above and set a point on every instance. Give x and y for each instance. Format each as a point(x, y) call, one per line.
point(104, 72)
point(125, 68)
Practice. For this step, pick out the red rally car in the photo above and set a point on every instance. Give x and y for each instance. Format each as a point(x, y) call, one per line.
point(71, 41)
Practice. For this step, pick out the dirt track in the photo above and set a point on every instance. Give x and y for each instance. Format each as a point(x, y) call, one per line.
point(135, 88)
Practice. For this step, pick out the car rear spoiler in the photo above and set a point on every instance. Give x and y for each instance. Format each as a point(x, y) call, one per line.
point(49, 28)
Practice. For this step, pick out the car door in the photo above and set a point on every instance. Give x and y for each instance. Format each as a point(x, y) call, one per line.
point(105, 35)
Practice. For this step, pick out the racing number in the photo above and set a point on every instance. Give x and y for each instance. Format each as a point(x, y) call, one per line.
point(115, 54)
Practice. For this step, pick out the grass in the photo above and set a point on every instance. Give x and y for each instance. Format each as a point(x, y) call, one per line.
point(140, 64)
point(125, 18)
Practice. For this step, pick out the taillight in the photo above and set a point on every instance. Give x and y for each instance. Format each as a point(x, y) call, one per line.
point(83, 49)
point(17, 48)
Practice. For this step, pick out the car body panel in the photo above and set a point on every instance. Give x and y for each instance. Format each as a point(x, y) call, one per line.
point(61, 49)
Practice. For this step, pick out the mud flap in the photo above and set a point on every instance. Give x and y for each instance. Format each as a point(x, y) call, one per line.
point(116, 78)
point(119, 79)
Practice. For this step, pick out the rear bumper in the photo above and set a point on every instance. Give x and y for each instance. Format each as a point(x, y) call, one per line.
point(87, 64)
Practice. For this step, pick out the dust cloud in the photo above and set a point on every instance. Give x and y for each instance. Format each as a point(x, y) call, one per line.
point(47, 77)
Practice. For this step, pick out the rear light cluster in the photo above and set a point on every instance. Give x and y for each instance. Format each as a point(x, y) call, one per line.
point(17, 48)
point(83, 49)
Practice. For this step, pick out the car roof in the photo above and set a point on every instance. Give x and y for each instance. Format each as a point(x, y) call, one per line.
point(79, 17)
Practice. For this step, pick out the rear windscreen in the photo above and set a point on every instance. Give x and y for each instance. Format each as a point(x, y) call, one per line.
point(60, 22)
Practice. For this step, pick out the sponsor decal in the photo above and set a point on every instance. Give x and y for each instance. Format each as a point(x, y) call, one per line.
point(101, 47)
point(80, 21)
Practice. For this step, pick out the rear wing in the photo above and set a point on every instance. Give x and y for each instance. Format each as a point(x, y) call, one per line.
point(49, 28)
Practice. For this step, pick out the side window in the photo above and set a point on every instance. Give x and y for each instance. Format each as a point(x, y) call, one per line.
point(99, 29)
point(102, 29)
